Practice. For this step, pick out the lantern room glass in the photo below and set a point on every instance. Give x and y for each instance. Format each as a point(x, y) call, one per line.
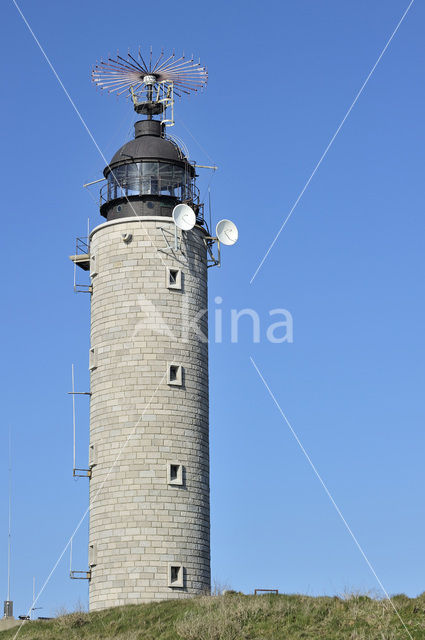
point(149, 178)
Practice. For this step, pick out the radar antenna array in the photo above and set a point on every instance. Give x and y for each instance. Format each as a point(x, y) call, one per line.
point(151, 85)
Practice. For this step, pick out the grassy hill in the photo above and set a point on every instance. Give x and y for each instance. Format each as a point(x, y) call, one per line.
point(240, 617)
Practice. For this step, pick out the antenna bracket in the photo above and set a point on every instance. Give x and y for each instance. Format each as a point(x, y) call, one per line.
point(212, 260)
point(80, 575)
point(81, 473)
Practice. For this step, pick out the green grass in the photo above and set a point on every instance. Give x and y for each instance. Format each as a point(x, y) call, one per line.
point(240, 617)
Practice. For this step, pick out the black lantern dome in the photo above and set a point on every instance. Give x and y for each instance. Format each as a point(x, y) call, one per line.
point(147, 176)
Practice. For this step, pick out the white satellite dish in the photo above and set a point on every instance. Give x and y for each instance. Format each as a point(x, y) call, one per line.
point(184, 217)
point(227, 232)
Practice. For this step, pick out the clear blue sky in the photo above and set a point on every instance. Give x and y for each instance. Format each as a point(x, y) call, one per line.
point(349, 267)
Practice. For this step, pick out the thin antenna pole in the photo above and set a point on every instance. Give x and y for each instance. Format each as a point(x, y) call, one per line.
point(209, 206)
point(73, 418)
point(33, 596)
point(70, 558)
point(88, 231)
point(10, 515)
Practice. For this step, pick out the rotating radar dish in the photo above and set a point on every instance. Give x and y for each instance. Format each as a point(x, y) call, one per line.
point(227, 232)
point(184, 217)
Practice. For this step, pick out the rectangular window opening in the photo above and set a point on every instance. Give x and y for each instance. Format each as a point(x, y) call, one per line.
point(175, 374)
point(173, 278)
point(175, 473)
point(175, 575)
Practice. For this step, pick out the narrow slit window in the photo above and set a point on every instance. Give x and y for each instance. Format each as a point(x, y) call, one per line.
point(93, 265)
point(175, 374)
point(92, 456)
point(92, 358)
point(173, 278)
point(92, 555)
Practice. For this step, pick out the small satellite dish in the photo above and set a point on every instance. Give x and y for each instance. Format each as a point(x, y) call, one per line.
point(227, 232)
point(184, 217)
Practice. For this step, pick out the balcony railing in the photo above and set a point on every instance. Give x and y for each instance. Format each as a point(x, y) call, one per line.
point(149, 186)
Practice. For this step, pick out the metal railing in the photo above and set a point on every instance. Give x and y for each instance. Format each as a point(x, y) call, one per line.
point(149, 187)
point(82, 245)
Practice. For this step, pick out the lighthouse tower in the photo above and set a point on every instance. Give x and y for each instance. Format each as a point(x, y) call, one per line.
point(149, 533)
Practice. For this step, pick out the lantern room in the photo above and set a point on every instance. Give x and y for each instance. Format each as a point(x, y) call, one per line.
point(148, 176)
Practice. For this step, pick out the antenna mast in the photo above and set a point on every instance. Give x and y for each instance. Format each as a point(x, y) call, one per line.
point(151, 85)
point(8, 605)
point(10, 515)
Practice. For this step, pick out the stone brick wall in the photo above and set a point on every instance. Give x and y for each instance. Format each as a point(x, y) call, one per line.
point(141, 523)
